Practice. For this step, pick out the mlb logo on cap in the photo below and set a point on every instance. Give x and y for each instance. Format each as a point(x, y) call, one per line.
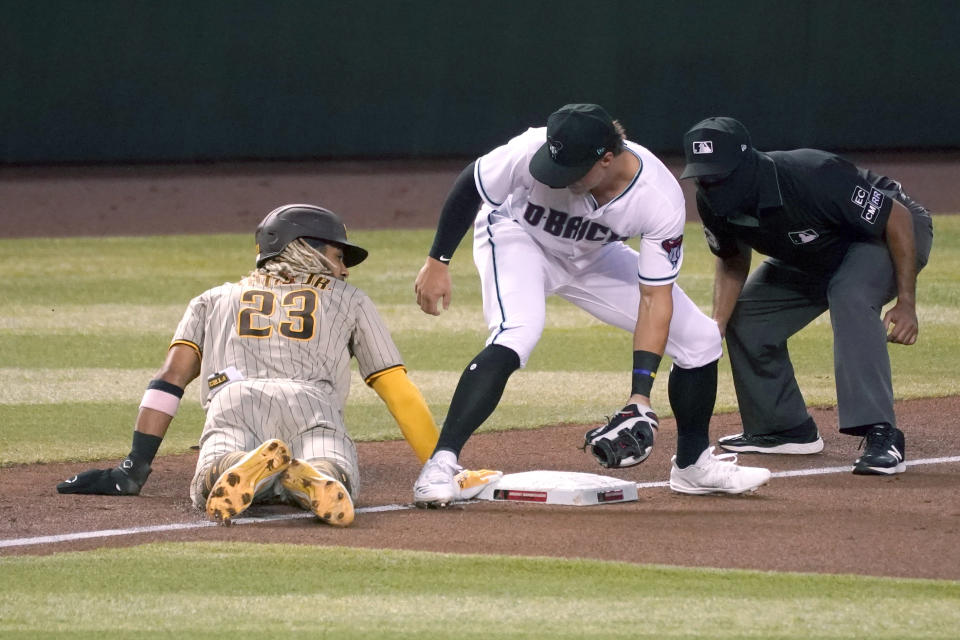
point(714, 147)
point(702, 146)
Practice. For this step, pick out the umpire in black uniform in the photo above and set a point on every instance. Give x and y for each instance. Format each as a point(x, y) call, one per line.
point(838, 237)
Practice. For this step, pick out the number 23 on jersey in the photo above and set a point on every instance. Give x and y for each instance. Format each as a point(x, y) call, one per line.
point(297, 317)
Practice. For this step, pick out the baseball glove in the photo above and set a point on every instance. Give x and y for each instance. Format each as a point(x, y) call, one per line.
point(626, 439)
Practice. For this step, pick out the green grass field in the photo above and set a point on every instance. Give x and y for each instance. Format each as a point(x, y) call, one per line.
point(85, 324)
point(316, 592)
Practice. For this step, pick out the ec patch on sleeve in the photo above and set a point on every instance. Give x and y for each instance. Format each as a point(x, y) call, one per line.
point(870, 202)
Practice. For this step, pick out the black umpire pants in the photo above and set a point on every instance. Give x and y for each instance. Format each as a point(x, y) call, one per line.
point(778, 300)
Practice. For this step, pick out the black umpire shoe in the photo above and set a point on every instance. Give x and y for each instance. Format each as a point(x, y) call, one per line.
point(884, 452)
point(773, 443)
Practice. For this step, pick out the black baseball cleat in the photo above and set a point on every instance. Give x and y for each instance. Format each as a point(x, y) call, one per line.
point(884, 452)
point(773, 443)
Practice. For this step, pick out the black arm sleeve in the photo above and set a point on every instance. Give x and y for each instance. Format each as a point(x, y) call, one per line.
point(457, 215)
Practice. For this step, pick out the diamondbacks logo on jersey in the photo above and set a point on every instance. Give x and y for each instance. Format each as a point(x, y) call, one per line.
point(803, 237)
point(673, 249)
point(703, 146)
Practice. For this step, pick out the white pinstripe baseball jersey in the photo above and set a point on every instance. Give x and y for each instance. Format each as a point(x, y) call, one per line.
point(304, 331)
point(291, 342)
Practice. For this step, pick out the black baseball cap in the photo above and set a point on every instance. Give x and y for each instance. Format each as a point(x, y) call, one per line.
point(577, 136)
point(714, 146)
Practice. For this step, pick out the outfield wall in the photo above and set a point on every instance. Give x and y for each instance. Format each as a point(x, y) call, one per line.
point(183, 80)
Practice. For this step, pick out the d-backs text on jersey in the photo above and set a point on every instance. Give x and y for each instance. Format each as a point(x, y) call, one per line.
point(563, 225)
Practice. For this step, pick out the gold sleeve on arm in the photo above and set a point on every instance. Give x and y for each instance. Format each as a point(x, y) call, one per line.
point(409, 409)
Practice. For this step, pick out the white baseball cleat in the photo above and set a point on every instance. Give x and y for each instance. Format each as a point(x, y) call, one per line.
point(436, 486)
point(716, 474)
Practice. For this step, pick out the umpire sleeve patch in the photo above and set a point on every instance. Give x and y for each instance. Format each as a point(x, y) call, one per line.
point(873, 206)
point(870, 202)
point(859, 196)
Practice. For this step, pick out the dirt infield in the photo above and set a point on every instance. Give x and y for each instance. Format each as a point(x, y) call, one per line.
point(905, 525)
point(833, 522)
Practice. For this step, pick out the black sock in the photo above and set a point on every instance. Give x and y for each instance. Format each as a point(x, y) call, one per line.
point(478, 393)
point(141, 455)
point(860, 430)
point(693, 394)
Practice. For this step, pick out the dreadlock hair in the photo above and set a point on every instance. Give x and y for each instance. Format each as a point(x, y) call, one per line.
point(296, 260)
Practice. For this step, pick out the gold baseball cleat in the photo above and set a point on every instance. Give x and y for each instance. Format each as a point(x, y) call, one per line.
point(316, 491)
point(234, 490)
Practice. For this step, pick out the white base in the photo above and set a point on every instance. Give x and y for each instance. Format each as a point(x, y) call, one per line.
point(560, 487)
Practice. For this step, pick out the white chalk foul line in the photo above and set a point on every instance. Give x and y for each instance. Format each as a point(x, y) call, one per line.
point(106, 533)
point(816, 472)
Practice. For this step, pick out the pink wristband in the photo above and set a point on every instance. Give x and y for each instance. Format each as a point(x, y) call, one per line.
point(160, 401)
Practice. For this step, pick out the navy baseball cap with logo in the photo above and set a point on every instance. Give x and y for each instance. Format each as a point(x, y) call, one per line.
point(714, 146)
point(577, 136)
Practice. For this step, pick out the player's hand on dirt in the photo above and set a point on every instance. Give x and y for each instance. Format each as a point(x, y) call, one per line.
point(901, 323)
point(433, 286)
point(104, 482)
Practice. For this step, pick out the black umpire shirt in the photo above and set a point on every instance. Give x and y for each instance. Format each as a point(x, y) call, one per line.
point(810, 206)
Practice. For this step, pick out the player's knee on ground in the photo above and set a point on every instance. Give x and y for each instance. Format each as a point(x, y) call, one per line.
point(335, 471)
point(206, 478)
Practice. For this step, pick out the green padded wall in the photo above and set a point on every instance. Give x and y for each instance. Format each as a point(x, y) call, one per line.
point(174, 80)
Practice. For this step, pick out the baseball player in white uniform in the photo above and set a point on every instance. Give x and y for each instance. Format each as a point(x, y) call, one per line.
point(274, 350)
point(550, 210)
